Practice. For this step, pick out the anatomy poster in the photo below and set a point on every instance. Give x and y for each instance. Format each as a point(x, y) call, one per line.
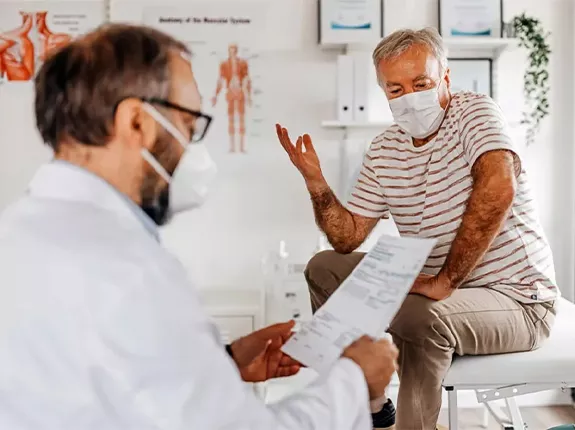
point(225, 40)
point(29, 31)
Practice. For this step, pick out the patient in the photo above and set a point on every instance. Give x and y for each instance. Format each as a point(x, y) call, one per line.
point(446, 170)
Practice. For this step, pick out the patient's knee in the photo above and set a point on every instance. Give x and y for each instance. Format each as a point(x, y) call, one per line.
point(417, 320)
point(319, 267)
point(320, 262)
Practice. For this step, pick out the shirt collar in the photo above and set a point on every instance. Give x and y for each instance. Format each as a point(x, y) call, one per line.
point(83, 178)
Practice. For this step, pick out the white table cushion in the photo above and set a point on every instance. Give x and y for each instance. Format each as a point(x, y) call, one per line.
point(553, 362)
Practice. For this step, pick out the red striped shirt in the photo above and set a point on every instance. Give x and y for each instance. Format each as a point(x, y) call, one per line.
point(426, 191)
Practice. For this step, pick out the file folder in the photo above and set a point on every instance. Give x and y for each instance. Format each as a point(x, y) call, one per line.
point(361, 64)
point(345, 88)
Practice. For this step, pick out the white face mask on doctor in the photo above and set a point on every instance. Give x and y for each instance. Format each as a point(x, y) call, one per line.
point(188, 186)
point(419, 114)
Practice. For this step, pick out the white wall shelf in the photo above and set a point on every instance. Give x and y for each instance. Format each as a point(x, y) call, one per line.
point(462, 47)
point(355, 124)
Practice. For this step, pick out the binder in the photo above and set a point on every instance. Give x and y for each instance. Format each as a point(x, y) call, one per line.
point(345, 88)
point(371, 104)
point(361, 65)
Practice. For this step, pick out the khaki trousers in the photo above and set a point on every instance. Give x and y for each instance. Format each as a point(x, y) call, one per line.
point(473, 321)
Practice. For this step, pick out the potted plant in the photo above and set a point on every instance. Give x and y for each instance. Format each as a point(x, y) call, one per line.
point(534, 38)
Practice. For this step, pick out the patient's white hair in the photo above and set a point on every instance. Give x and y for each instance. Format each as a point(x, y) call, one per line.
point(401, 40)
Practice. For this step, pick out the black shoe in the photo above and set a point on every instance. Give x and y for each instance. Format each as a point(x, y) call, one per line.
point(385, 418)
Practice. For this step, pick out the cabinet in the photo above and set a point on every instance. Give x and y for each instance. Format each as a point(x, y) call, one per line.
point(233, 327)
point(235, 313)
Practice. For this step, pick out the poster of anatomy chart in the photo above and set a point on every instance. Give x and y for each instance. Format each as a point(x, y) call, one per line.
point(30, 30)
point(225, 42)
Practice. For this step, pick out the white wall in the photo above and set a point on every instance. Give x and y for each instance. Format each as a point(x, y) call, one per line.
point(260, 198)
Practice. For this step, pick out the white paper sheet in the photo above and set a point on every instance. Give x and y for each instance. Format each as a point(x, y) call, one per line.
point(365, 303)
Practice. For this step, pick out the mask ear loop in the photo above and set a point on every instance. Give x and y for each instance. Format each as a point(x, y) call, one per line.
point(146, 155)
point(171, 128)
point(156, 165)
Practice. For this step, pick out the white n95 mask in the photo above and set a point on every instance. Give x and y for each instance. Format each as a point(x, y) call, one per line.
point(195, 172)
point(419, 114)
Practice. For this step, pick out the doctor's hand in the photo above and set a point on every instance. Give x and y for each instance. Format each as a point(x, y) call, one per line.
point(378, 361)
point(307, 162)
point(258, 354)
point(433, 287)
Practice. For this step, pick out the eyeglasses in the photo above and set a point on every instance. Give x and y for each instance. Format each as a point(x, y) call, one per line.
point(201, 124)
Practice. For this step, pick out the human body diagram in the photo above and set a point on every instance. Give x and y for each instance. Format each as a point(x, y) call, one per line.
point(48, 39)
point(17, 61)
point(234, 76)
point(24, 48)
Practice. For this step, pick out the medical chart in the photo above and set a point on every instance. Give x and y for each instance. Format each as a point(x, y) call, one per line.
point(365, 303)
point(225, 39)
point(31, 30)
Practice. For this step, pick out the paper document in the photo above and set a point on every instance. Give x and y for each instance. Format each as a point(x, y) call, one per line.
point(365, 303)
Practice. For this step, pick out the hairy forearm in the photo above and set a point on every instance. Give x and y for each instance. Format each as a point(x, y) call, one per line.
point(334, 219)
point(487, 209)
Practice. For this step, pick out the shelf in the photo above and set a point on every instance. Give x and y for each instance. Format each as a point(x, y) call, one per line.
point(355, 124)
point(487, 46)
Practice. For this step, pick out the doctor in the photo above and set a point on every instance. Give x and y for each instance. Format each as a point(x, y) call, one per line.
point(99, 326)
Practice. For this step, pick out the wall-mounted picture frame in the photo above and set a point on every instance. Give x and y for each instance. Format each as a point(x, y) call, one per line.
point(343, 22)
point(471, 18)
point(471, 74)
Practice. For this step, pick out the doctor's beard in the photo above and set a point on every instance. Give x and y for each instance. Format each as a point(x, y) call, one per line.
point(158, 209)
point(155, 192)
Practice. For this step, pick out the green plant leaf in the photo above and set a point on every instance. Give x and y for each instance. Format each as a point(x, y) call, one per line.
point(533, 37)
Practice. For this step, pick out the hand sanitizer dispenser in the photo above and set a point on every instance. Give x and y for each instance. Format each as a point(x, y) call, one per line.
point(286, 289)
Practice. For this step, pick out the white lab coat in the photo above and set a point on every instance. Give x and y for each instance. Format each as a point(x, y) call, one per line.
point(101, 330)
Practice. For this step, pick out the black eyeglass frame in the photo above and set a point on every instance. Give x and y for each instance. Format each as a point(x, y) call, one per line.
point(197, 114)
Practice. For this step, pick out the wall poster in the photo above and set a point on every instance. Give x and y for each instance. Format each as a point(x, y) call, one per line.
point(475, 18)
point(350, 21)
point(225, 40)
point(30, 30)
point(471, 74)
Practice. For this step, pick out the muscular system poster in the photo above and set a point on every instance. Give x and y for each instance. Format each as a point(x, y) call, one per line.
point(29, 31)
point(224, 39)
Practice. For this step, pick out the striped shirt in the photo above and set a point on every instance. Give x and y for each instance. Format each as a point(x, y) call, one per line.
point(426, 191)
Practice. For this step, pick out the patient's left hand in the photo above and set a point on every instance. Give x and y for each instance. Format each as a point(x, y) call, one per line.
point(258, 355)
point(432, 287)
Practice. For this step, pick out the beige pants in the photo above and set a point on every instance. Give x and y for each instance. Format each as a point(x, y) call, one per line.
point(473, 321)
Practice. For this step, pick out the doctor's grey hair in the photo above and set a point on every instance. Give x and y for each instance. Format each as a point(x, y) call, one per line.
point(80, 85)
point(401, 40)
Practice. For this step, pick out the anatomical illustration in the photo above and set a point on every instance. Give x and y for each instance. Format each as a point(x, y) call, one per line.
point(234, 76)
point(24, 48)
point(17, 59)
point(48, 39)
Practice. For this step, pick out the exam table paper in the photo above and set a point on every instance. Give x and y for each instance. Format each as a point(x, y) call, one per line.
point(365, 303)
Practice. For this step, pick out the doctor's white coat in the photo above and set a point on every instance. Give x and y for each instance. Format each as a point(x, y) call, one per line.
point(101, 330)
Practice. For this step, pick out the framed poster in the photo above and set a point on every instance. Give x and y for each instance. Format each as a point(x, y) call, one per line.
point(471, 18)
point(471, 74)
point(29, 30)
point(350, 21)
point(225, 39)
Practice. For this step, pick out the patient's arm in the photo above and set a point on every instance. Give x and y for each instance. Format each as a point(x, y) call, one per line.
point(494, 185)
point(345, 230)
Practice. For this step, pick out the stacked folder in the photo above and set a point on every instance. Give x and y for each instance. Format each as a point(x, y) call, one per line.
point(359, 97)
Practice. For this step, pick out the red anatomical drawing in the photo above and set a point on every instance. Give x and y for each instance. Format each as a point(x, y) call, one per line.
point(48, 40)
point(24, 49)
point(17, 51)
point(234, 76)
